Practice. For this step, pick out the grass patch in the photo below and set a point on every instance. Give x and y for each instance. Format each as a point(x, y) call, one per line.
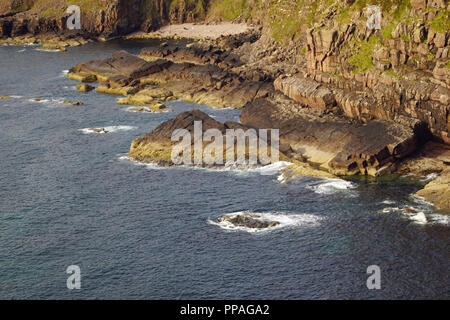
point(362, 59)
point(386, 32)
point(441, 23)
point(230, 9)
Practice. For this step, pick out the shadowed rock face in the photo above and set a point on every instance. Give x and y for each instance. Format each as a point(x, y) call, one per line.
point(340, 146)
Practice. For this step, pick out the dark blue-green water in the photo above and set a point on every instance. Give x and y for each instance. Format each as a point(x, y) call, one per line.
point(142, 232)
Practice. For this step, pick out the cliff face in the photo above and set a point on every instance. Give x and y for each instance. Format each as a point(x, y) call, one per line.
point(325, 55)
point(99, 17)
point(402, 69)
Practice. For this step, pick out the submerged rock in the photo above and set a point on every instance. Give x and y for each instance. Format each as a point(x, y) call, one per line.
point(5, 97)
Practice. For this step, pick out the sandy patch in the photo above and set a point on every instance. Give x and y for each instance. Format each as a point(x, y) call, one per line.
point(194, 31)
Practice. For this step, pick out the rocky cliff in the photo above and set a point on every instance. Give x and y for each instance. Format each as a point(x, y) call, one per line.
point(99, 17)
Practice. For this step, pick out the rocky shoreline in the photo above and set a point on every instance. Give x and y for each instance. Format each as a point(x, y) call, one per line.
point(347, 100)
point(314, 128)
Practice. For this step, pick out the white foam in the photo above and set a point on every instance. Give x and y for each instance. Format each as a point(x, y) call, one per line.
point(331, 186)
point(388, 202)
point(109, 129)
point(285, 220)
point(149, 165)
point(389, 209)
point(39, 101)
point(421, 200)
point(429, 177)
point(419, 218)
point(63, 73)
point(273, 168)
point(436, 218)
point(47, 50)
point(74, 88)
point(22, 50)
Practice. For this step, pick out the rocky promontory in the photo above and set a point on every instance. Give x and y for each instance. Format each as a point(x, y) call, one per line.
point(158, 146)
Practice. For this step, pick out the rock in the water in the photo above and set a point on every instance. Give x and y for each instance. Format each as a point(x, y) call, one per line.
point(74, 103)
point(60, 46)
point(85, 87)
point(249, 221)
point(99, 130)
point(5, 97)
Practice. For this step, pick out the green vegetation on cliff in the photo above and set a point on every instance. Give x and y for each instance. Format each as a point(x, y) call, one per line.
point(441, 22)
point(362, 58)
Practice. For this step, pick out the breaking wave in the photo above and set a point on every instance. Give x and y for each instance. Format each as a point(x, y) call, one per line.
point(109, 129)
point(331, 186)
